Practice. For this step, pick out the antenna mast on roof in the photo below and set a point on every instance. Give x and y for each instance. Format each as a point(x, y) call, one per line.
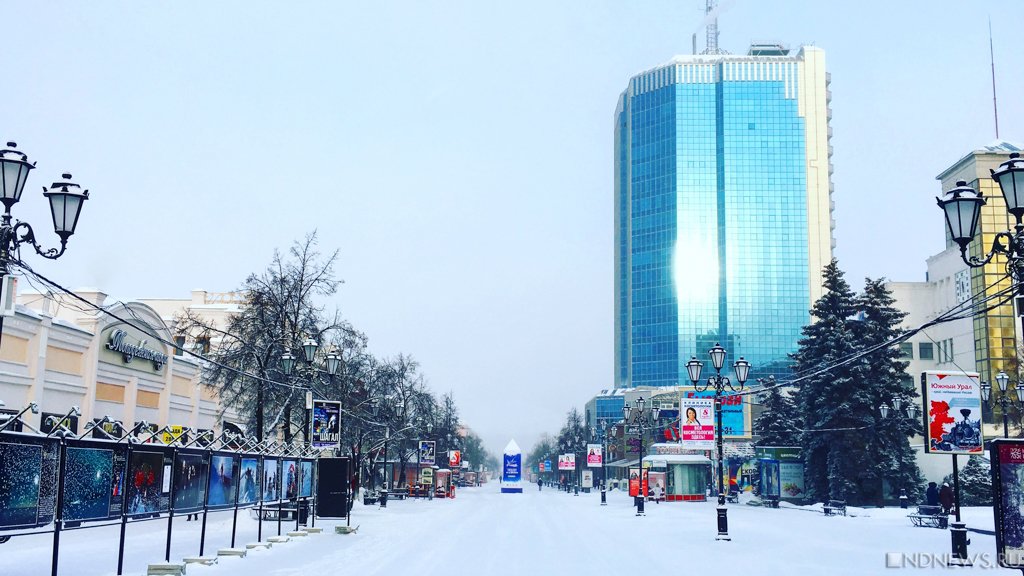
point(992, 58)
point(711, 24)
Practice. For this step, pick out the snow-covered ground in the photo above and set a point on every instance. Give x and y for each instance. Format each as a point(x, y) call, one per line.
point(550, 532)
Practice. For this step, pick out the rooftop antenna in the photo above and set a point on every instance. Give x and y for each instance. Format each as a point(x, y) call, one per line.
point(992, 59)
point(711, 24)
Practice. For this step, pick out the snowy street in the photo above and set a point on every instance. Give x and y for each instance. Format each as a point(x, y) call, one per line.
point(549, 532)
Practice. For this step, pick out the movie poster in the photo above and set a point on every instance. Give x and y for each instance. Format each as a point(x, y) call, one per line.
point(222, 481)
point(249, 483)
point(326, 424)
point(305, 479)
point(271, 482)
point(770, 479)
point(145, 478)
point(953, 412)
point(290, 478)
point(427, 454)
point(189, 481)
point(89, 483)
point(20, 470)
point(1007, 457)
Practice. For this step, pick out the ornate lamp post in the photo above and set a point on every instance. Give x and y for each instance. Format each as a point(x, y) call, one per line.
point(642, 421)
point(1005, 401)
point(309, 347)
point(604, 458)
point(720, 384)
point(66, 200)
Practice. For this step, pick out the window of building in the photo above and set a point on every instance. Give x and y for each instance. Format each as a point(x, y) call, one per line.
point(925, 351)
point(179, 345)
point(907, 350)
point(203, 345)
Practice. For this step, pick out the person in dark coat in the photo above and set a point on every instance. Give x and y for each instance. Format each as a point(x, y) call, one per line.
point(931, 495)
point(946, 498)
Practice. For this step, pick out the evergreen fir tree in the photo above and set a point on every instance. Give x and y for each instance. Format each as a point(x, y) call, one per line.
point(835, 405)
point(975, 482)
point(889, 456)
point(779, 422)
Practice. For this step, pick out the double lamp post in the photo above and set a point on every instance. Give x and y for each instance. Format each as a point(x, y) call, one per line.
point(642, 421)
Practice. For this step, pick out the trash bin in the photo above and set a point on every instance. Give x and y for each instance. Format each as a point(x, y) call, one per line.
point(303, 507)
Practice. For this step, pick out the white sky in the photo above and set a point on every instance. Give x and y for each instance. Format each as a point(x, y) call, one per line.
point(459, 154)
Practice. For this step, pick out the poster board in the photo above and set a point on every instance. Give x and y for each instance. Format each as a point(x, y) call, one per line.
point(1007, 457)
point(697, 423)
point(595, 456)
point(952, 402)
point(325, 425)
point(223, 487)
point(333, 487)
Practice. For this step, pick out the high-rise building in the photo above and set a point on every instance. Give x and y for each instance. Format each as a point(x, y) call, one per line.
point(723, 212)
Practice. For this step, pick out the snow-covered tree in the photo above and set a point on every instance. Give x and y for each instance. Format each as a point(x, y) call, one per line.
point(888, 454)
point(779, 422)
point(975, 482)
point(836, 405)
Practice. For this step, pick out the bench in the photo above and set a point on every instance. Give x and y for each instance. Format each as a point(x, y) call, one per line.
point(834, 507)
point(733, 497)
point(397, 494)
point(770, 501)
point(929, 517)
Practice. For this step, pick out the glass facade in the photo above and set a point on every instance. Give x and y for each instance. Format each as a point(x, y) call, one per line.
point(713, 234)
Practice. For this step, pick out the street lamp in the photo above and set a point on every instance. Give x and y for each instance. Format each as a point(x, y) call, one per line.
point(604, 458)
point(1005, 401)
point(719, 383)
point(309, 347)
point(642, 421)
point(66, 200)
point(911, 413)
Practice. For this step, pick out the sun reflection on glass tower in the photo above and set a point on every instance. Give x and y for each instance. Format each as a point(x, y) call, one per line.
point(723, 212)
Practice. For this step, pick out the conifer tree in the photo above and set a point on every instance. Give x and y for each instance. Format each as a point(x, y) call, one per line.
point(975, 483)
point(779, 422)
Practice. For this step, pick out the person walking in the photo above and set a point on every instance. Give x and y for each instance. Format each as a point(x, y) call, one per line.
point(946, 498)
point(931, 495)
point(540, 484)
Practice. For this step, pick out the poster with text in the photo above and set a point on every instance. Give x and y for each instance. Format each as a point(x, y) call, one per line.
point(88, 483)
point(427, 454)
point(223, 481)
point(594, 456)
point(791, 480)
point(637, 482)
point(271, 482)
point(145, 478)
point(305, 479)
point(326, 424)
point(588, 479)
point(249, 480)
point(952, 402)
point(190, 474)
point(454, 459)
point(769, 479)
point(735, 413)
point(511, 470)
point(697, 423)
point(290, 478)
point(20, 469)
point(566, 461)
point(1007, 457)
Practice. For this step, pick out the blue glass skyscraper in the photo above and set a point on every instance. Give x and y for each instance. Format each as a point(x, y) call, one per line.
point(723, 212)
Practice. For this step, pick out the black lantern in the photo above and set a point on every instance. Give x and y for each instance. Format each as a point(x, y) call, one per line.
point(962, 206)
point(14, 168)
point(66, 199)
point(287, 363)
point(333, 363)
point(742, 368)
point(717, 354)
point(693, 367)
point(1010, 176)
point(309, 349)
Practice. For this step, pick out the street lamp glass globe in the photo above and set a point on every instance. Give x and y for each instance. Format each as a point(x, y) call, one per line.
point(1002, 380)
point(986, 390)
point(287, 363)
point(14, 167)
point(654, 413)
point(693, 368)
point(1020, 394)
point(1010, 176)
point(66, 200)
point(309, 349)
point(640, 402)
point(742, 369)
point(884, 409)
point(333, 363)
point(625, 412)
point(717, 354)
point(962, 206)
point(896, 403)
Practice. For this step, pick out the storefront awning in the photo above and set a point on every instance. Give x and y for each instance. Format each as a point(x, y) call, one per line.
point(677, 459)
point(624, 463)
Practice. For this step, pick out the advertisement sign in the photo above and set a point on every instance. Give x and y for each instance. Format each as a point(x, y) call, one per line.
point(1007, 457)
point(223, 481)
point(333, 487)
point(637, 485)
point(697, 423)
point(594, 456)
point(427, 454)
point(427, 476)
point(454, 459)
point(769, 479)
point(547, 466)
point(791, 480)
point(177, 433)
point(249, 486)
point(326, 424)
point(540, 466)
point(588, 479)
point(512, 469)
point(735, 413)
point(566, 461)
point(952, 403)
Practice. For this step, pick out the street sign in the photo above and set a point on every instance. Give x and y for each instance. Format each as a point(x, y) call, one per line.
point(426, 475)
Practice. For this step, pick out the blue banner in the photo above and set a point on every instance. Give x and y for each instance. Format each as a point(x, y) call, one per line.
point(512, 470)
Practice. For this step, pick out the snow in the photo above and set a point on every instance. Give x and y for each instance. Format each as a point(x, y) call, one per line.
point(511, 449)
point(544, 532)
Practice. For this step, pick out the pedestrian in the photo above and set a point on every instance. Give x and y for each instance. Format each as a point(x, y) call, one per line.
point(931, 495)
point(540, 484)
point(946, 498)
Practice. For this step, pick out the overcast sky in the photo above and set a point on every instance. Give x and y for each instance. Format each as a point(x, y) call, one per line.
point(458, 154)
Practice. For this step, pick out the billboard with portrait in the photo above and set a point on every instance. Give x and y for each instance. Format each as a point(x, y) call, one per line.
point(595, 457)
point(190, 479)
point(952, 414)
point(145, 480)
point(566, 461)
point(326, 424)
point(248, 480)
point(697, 423)
point(290, 478)
point(271, 481)
point(305, 478)
point(223, 481)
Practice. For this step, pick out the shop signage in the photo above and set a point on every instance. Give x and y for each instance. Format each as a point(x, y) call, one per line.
point(121, 343)
point(952, 407)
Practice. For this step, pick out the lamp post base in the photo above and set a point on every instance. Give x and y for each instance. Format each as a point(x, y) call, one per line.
point(723, 524)
point(640, 506)
point(604, 497)
point(958, 534)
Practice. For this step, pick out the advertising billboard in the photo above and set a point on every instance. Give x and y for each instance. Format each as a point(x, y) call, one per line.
point(595, 458)
point(1007, 457)
point(566, 461)
point(223, 481)
point(454, 459)
point(952, 402)
point(697, 423)
point(427, 453)
point(735, 413)
point(326, 424)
